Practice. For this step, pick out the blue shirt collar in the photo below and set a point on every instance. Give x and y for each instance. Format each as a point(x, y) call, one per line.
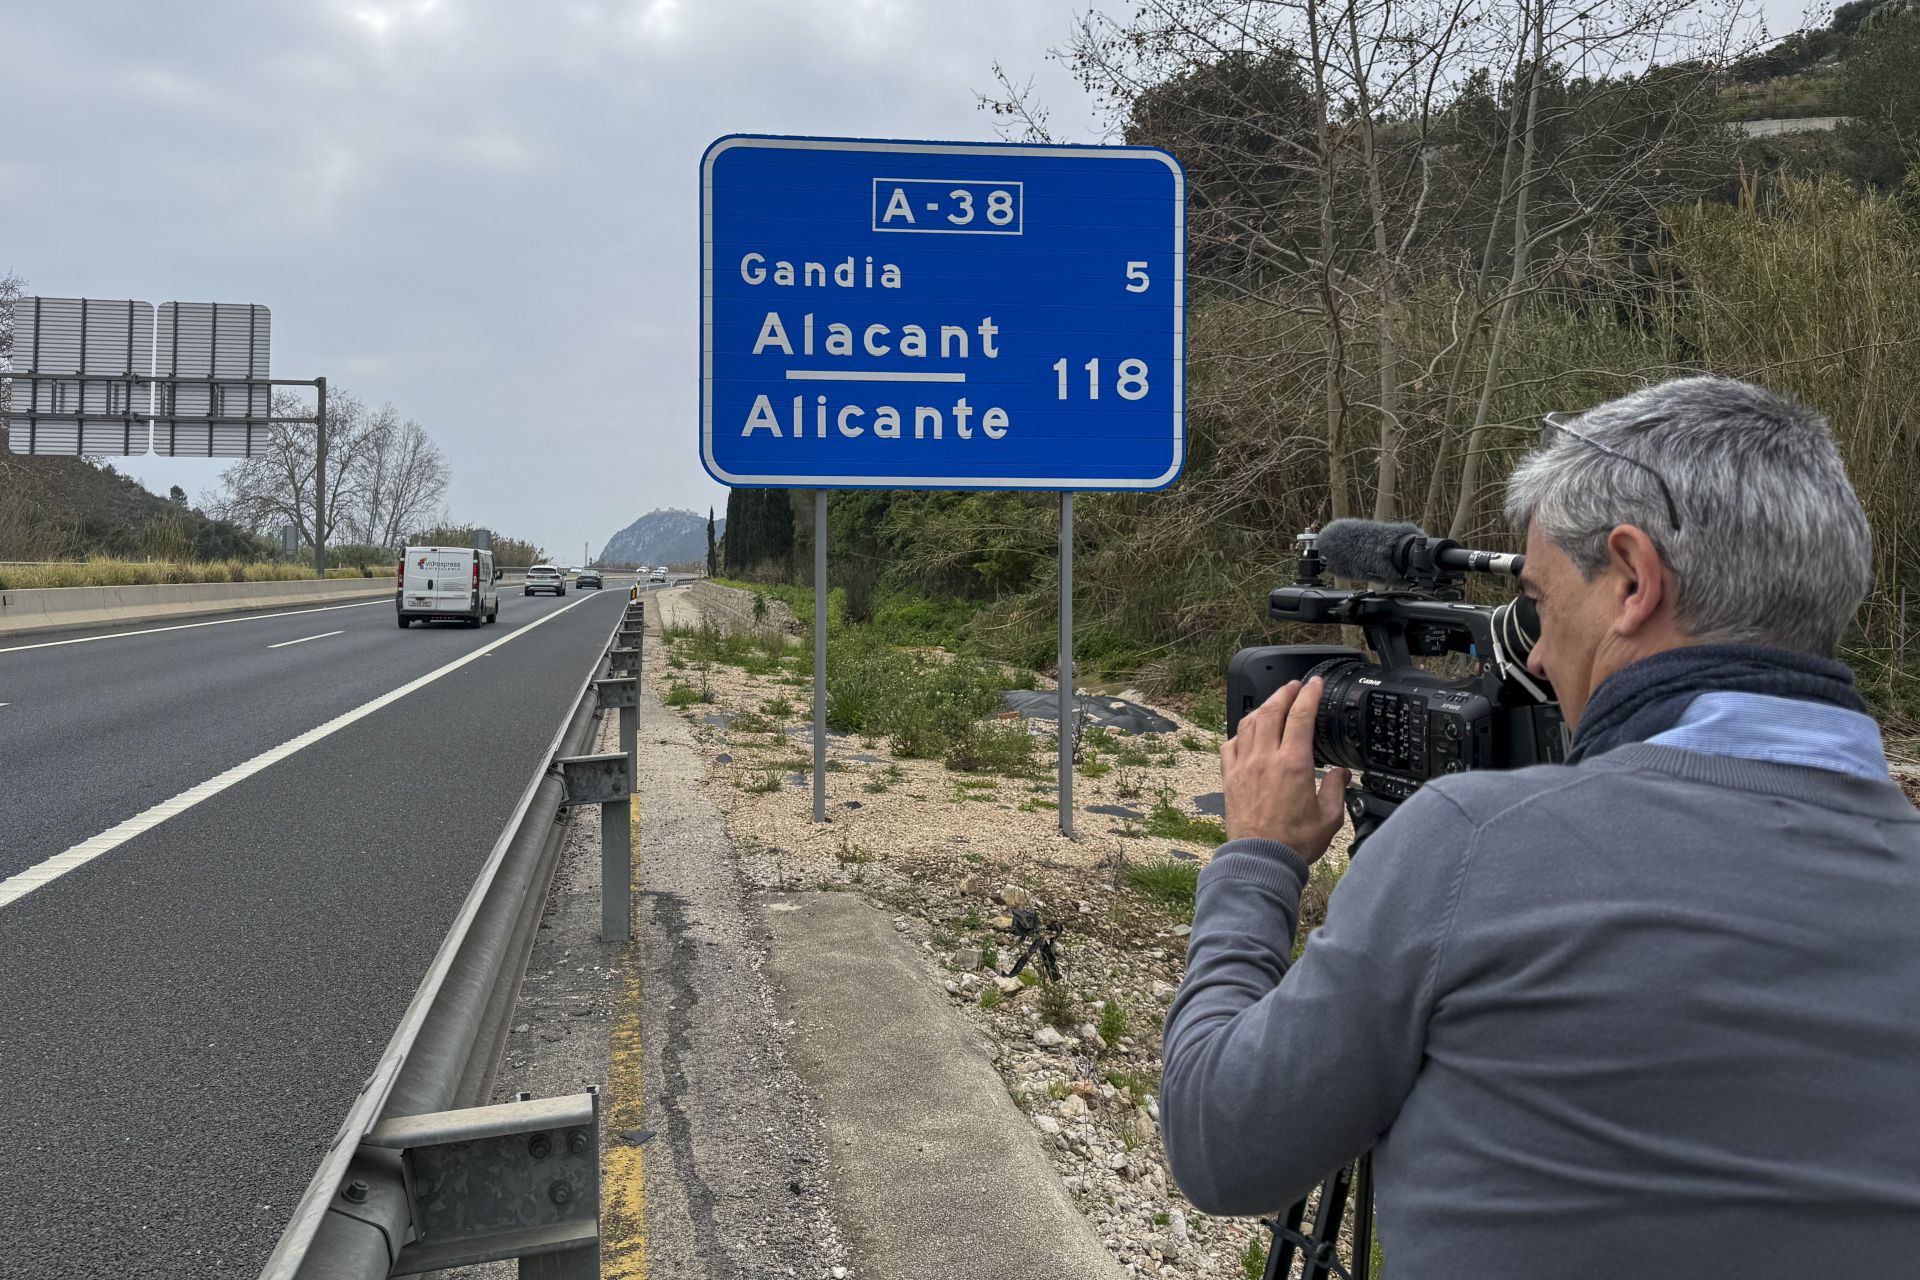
point(1758, 726)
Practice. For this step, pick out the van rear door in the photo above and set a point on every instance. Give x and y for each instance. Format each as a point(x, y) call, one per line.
point(440, 580)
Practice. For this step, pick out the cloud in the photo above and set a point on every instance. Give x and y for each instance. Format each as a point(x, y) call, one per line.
point(482, 211)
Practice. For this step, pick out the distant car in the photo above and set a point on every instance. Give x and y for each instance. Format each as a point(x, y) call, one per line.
point(658, 577)
point(589, 578)
point(544, 577)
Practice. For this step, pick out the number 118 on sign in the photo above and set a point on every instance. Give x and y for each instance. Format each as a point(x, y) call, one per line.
point(1129, 378)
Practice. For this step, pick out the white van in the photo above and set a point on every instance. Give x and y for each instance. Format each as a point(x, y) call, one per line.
point(447, 582)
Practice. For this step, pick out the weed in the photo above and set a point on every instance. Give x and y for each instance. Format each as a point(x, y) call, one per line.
point(1253, 1260)
point(1127, 784)
point(1094, 767)
point(989, 954)
point(971, 920)
point(1058, 1091)
point(1029, 977)
point(1057, 1005)
point(991, 998)
point(769, 781)
point(1166, 881)
point(976, 784)
point(682, 694)
point(676, 662)
point(942, 938)
point(1192, 743)
point(1141, 1084)
point(750, 722)
point(1170, 820)
point(1113, 1022)
point(778, 708)
point(1161, 1219)
point(1036, 804)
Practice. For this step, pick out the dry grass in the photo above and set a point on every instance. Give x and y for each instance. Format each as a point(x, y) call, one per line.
point(109, 572)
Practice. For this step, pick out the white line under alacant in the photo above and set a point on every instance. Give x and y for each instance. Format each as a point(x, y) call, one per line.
point(303, 639)
point(16, 887)
point(188, 626)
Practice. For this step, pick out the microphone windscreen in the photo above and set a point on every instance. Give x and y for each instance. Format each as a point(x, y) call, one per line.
point(1363, 548)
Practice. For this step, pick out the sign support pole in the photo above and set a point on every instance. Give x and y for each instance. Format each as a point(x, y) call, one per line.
point(1067, 707)
point(320, 478)
point(820, 655)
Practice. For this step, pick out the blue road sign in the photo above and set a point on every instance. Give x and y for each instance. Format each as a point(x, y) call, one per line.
point(941, 315)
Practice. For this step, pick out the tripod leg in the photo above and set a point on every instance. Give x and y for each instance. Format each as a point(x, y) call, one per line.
point(1363, 1219)
point(1280, 1252)
point(1326, 1224)
point(1025, 956)
point(1051, 961)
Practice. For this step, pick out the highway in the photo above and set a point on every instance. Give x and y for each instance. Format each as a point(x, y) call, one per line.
point(228, 850)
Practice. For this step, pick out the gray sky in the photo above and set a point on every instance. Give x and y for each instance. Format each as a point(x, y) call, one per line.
point(483, 211)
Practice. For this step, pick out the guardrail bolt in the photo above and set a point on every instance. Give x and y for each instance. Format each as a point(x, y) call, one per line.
point(539, 1146)
point(577, 1142)
point(356, 1191)
point(560, 1192)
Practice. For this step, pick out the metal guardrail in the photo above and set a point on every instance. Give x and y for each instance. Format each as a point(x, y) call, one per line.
point(421, 1174)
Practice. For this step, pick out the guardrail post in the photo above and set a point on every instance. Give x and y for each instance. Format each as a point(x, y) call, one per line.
point(517, 1180)
point(604, 780)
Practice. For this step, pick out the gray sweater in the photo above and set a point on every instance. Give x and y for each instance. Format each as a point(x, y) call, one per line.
point(1656, 1014)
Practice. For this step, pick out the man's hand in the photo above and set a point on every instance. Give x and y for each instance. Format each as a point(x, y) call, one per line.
point(1267, 771)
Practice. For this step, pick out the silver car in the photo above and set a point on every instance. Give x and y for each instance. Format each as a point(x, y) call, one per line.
point(544, 577)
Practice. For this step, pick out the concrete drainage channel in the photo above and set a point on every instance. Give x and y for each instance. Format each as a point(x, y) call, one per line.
point(421, 1176)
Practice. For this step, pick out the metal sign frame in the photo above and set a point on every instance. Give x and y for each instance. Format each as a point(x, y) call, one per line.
point(968, 157)
point(215, 353)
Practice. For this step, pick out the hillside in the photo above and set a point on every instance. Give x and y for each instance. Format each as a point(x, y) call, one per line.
point(70, 508)
point(662, 537)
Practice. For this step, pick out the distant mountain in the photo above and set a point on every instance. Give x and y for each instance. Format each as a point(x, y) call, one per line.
point(663, 537)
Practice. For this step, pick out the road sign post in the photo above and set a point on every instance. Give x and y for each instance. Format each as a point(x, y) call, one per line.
point(932, 315)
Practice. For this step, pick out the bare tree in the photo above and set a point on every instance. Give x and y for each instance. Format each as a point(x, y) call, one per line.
point(402, 476)
point(1355, 164)
point(277, 487)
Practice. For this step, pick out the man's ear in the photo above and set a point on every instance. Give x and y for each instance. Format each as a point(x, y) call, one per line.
point(1642, 585)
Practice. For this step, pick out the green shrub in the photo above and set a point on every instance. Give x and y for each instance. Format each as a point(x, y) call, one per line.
point(1057, 1005)
point(1170, 820)
point(778, 708)
point(1113, 1022)
point(1001, 747)
point(681, 694)
point(1168, 881)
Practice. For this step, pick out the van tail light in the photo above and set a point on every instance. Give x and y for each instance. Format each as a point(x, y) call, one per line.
point(401, 573)
point(476, 575)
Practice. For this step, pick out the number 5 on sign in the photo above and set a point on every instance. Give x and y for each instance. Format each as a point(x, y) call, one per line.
point(1136, 277)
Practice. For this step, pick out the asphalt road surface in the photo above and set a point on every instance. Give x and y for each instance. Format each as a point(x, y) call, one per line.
point(242, 907)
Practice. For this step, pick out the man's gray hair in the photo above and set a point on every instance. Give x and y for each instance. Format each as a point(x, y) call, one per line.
point(1772, 548)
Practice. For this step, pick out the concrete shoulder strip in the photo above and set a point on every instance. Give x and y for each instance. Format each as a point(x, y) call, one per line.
point(19, 886)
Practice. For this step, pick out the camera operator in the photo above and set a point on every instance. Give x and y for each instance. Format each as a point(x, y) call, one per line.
point(1653, 1012)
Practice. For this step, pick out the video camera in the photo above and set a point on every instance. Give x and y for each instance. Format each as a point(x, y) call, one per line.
point(1394, 724)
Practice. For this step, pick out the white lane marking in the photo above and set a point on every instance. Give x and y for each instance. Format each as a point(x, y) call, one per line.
point(18, 886)
point(303, 639)
point(188, 626)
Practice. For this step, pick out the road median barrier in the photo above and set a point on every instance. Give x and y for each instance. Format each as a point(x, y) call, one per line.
point(66, 608)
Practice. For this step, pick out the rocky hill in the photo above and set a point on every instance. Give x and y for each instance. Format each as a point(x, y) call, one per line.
point(662, 537)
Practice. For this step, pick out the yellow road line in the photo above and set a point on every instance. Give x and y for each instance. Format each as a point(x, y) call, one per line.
point(623, 1193)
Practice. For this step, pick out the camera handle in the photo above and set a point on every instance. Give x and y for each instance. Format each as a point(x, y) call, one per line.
point(1320, 1251)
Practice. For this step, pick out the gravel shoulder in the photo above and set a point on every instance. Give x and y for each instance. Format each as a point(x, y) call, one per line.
point(945, 856)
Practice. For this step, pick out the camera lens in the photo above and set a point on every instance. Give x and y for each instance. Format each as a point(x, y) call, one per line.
point(1338, 724)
